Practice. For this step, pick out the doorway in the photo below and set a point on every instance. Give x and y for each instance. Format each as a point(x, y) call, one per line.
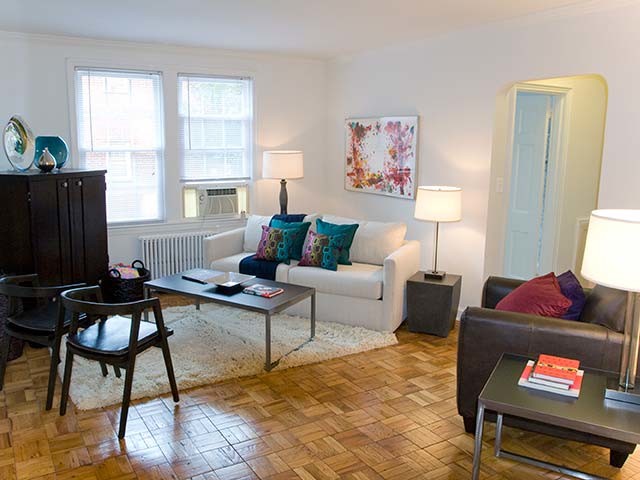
point(536, 162)
point(545, 174)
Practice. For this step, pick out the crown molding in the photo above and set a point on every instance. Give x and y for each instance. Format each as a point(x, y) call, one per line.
point(153, 46)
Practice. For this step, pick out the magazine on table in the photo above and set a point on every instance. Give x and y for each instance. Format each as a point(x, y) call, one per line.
point(261, 290)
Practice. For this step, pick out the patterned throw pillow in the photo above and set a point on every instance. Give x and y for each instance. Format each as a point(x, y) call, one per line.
point(275, 245)
point(321, 250)
point(348, 230)
point(298, 231)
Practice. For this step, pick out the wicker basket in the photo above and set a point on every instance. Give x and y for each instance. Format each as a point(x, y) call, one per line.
point(122, 290)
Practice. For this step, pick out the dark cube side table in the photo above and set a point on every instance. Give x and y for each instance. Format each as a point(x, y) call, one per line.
point(432, 304)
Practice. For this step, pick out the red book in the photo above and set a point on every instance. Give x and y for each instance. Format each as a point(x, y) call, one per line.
point(556, 369)
point(573, 391)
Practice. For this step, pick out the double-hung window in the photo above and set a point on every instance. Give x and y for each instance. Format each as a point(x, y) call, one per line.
point(215, 127)
point(119, 122)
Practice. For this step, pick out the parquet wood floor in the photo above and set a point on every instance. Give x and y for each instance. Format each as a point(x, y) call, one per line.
point(384, 414)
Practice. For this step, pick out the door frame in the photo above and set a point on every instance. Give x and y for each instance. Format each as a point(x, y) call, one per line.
point(558, 151)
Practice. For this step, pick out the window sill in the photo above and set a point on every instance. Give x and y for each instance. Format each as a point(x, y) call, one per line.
point(176, 226)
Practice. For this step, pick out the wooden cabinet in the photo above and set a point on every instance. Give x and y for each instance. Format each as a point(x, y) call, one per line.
point(54, 224)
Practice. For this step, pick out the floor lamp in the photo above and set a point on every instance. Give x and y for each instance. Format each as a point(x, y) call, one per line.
point(438, 204)
point(282, 164)
point(612, 259)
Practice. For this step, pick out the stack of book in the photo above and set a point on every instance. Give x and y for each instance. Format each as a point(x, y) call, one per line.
point(263, 290)
point(553, 374)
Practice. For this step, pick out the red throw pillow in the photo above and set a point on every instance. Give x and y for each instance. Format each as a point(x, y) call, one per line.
point(539, 296)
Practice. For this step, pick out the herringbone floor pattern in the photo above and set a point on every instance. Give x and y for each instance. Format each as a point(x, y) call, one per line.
point(388, 413)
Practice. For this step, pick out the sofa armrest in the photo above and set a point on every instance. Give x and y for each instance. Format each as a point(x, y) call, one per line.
point(223, 245)
point(396, 270)
point(486, 334)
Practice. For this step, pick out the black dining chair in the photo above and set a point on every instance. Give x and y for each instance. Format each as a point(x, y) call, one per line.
point(116, 339)
point(39, 321)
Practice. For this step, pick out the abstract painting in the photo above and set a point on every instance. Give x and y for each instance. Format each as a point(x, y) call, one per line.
point(381, 155)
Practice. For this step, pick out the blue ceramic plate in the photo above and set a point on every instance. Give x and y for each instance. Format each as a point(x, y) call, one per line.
point(18, 143)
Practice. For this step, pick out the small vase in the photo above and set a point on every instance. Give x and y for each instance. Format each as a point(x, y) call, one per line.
point(57, 147)
point(46, 162)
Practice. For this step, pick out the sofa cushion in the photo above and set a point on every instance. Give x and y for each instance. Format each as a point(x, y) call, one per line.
point(571, 288)
point(321, 250)
point(348, 231)
point(253, 231)
point(357, 280)
point(539, 296)
point(232, 264)
point(275, 244)
point(607, 307)
point(299, 232)
point(373, 241)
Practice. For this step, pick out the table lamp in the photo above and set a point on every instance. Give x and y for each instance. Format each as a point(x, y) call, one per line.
point(282, 164)
point(438, 204)
point(612, 259)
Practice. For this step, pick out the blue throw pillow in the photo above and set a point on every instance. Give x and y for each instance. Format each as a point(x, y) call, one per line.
point(349, 231)
point(298, 231)
point(571, 288)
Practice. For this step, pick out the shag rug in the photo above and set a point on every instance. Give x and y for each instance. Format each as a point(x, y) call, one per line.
point(218, 343)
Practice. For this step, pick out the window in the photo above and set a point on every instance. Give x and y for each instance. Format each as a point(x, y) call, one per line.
point(216, 115)
point(119, 116)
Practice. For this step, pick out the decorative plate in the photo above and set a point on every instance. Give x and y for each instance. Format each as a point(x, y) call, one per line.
point(18, 143)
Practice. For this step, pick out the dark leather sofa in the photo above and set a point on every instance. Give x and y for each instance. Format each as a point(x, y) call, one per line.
point(485, 334)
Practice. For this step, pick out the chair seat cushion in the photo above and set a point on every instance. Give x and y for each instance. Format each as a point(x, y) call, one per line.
point(40, 319)
point(111, 336)
point(232, 264)
point(358, 280)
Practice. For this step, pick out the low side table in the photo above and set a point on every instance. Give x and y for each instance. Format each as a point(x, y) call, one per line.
point(432, 304)
point(589, 413)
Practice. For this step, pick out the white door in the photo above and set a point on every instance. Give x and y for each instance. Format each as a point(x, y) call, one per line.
point(529, 165)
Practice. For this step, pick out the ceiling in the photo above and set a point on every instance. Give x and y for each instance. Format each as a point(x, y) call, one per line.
point(316, 28)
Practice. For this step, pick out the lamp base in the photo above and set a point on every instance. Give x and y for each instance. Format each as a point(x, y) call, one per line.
point(617, 393)
point(433, 274)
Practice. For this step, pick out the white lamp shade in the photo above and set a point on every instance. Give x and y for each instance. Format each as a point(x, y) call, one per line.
point(286, 164)
point(439, 204)
point(612, 250)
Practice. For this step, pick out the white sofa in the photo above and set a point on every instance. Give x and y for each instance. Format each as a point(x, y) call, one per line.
point(370, 293)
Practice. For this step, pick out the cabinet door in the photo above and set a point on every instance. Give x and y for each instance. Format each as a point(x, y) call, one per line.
point(95, 227)
point(66, 267)
point(78, 250)
point(45, 230)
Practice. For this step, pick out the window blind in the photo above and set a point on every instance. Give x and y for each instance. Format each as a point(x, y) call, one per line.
point(215, 127)
point(119, 122)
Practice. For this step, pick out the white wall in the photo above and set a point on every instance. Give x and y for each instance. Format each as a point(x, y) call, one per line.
point(452, 82)
point(290, 110)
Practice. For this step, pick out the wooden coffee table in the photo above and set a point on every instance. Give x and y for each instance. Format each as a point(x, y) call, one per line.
point(266, 306)
point(590, 413)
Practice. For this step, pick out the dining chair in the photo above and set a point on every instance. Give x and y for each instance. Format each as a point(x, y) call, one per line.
point(116, 339)
point(39, 321)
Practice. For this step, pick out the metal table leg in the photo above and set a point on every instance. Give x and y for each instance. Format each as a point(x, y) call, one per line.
point(477, 450)
point(145, 295)
point(498, 442)
point(313, 314)
point(267, 337)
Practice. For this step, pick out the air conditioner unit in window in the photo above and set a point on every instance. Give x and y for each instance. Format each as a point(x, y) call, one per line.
point(212, 200)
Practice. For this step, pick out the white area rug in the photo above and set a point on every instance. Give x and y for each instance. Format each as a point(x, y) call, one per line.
point(218, 343)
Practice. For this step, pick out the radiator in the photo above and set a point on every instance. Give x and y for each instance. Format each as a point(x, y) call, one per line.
point(173, 253)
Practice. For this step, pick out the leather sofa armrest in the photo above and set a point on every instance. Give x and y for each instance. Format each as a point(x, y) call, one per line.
point(496, 288)
point(223, 245)
point(486, 334)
